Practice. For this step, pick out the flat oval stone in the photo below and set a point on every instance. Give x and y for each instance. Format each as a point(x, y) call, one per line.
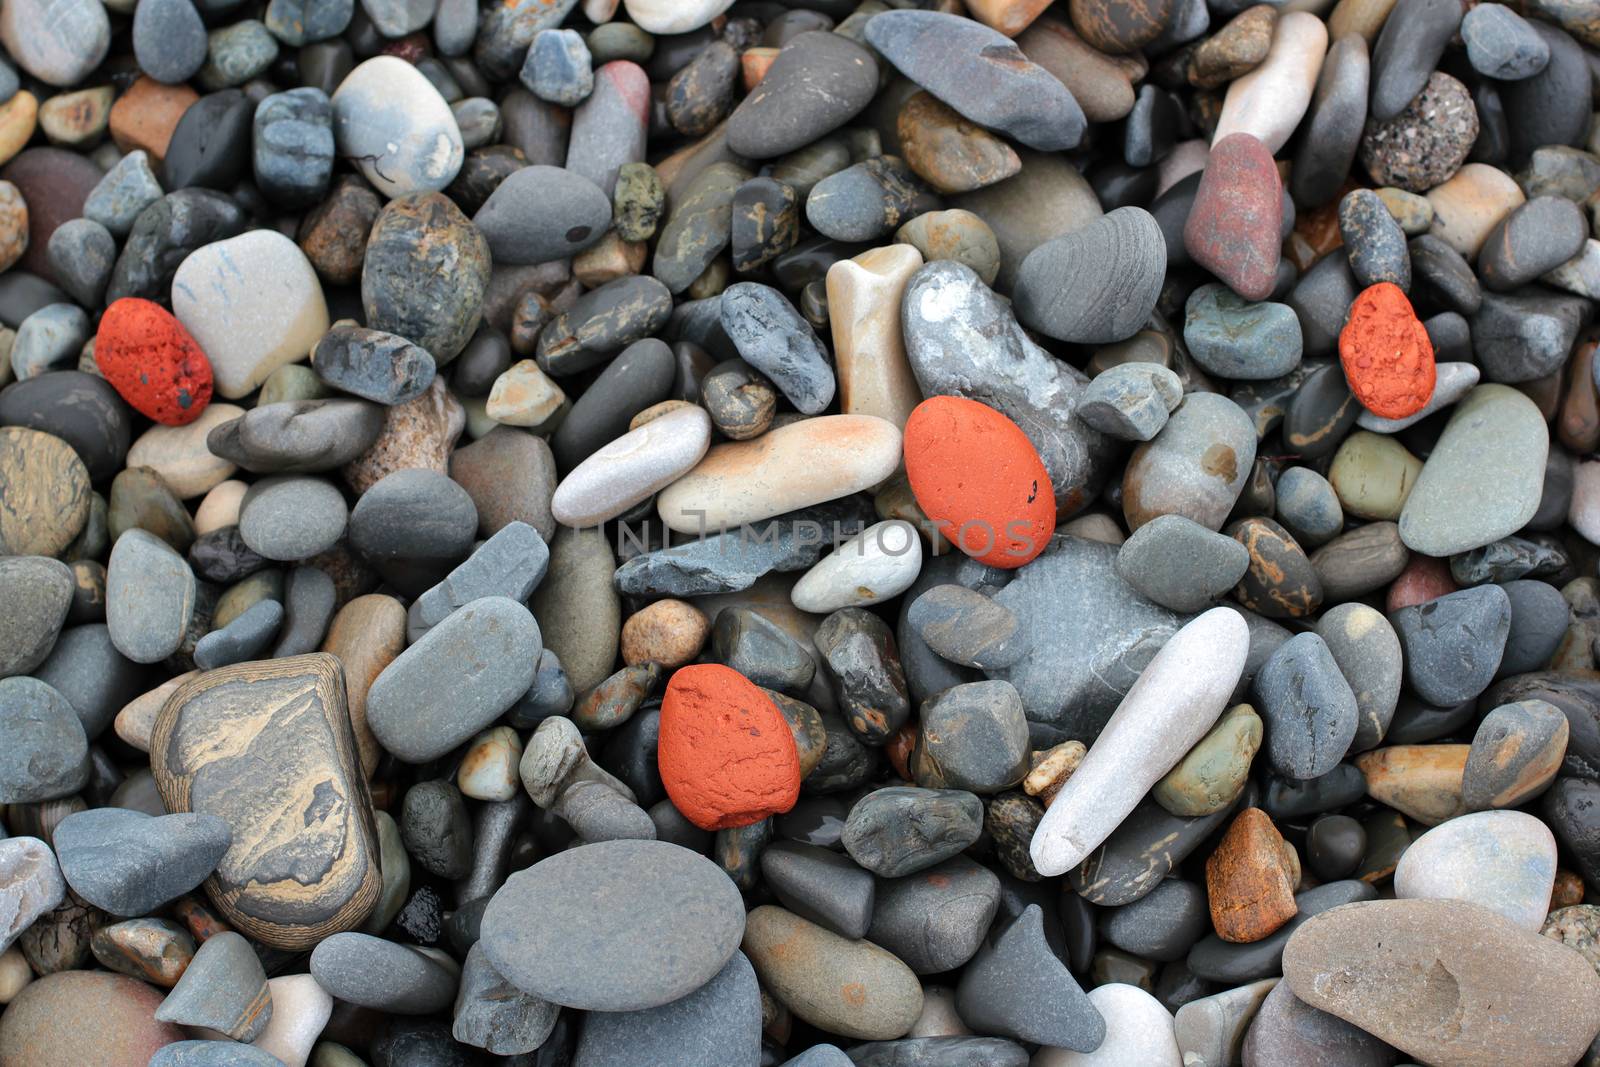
point(130, 864)
point(852, 988)
point(1337, 115)
point(543, 213)
point(286, 886)
point(253, 303)
point(1234, 338)
point(980, 73)
point(1065, 286)
point(58, 43)
point(632, 468)
point(1185, 687)
point(425, 274)
point(292, 518)
point(1367, 651)
point(374, 973)
point(685, 919)
point(150, 597)
point(38, 593)
point(477, 662)
point(798, 465)
point(1195, 467)
point(1533, 239)
point(1479, 484)
point(1413, 38)
point(817, 83)
point(1457, 959)
point(1503, 860)
point(390, 120)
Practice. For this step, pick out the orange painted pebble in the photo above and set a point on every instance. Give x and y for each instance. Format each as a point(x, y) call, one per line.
point(976, 475)
point(726, 753)
point(152, 362)
point(1386, 353)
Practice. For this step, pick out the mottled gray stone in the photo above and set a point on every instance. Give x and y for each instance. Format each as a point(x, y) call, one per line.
point(1180, 564)
point(224, 988)
point(1097, 284)
point(47, 756)
point(37, 592)
point(150, 597)
point(772, 337)
point(494, 1015)
point(1453, 643)
point(374, 973)
point(1309, 709)
point(512, 563)
point(128, 863)
point(935, 920)
point(900, 830)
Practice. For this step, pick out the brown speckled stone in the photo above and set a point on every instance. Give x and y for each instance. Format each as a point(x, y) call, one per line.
point(1236, 49)
point(1118, 26)
point(1427, 142)
point(418, 433)
point(668, 632)
point(86, 1019)
point(948, 152)
point(1250, 879)
point(1578, 927)
point(333, 235)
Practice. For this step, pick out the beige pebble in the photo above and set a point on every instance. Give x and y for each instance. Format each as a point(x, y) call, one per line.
point(668, 632)
point(1186, 158)
point(655, 411)
point(864, 296)
point(77, 118)
point(1373, 474)
point(14, 974)
point(300, 1009)
point(13, 234)
point(489, 766)
point(179, 453)
point(1270, 101)
point(793, 466)
point(137, 719)
point(524, 395)
point(608, 259)
point(1470, 204)
point(18, 117)
point(1052, 768)
point(1095, 526)
point(366, 635)
point(220, 508)
point(1365, 17)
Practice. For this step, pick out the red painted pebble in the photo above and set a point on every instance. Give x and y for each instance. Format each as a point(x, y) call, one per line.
point(150, 359)
point(1386, 353)
point(1235, 226)
point(976, 475)
point(726, 753)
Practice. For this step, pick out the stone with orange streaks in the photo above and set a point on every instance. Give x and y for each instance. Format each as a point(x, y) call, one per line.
point(1280, 581)
point(1250, 880)
point(1422, 782)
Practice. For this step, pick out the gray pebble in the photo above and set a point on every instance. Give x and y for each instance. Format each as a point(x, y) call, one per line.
point(1501, 44)
point(973, 737)
point(309, 598)
point(224, 988)
point(1373, 240)
point(126, 190)
point(772, 337)
point(49, 339)
point(558, 68)
point(1453, 644)
point(1097, 284)
point(542, 213)
point(512, 563)
point(169, 40)
point(86, 668)
point(1308, 707)
point(936, 920)
point(1235, 338)
point(900, 830)
point(292, 146)
point(1367, 651)
point(717, 1025)
point(37, 592)
point(292, 517)
point(374, 365)
point(1016, 987)
point(47, 755)
point(150, 597)
point(1539, 621)
point(436, 828)
point(128, 863)
point(494, 1015)
point(1180, 564)
point(968, 628)
point(373, 973)
point(820, 885)
point(245, 638)
point(1131, 401)
point(81, 254)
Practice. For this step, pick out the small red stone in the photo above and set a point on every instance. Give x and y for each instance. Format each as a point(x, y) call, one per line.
point(1235, 228)
point(1386, 353)
point(726, 753)
point(1425, 578)
point(150, 359)
point(976, 475)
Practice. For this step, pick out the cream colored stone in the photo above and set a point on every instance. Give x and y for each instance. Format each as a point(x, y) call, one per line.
point(794, 466)
point(1365, 17)
point(864, 297)
point(1186, 158)
point(939, 1017)
point(877, 564)
point(77, 118)
point(674, 16)
point(489, 767)
point(179, 453)
point(300, 1009)
point(137, 719)
point(1270, 101)
point(254, 304)
point(1010, 17)
point(14, 974)
point(1470, 204)
point(632, 468)
point(220, 507)
point(1584, 510)
point(524, 395)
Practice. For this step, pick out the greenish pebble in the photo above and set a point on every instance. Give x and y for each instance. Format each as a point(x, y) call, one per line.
point(329, 1054)
point(293, 381)
point(245, 594)
point(237, 53)
point(619, 40)
point(141, 498)
point(1211, 776)
point(395, 867)
point(637, 202)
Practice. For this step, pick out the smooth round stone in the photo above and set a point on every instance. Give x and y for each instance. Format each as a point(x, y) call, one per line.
point(1139, 1029)
point(1334, 846)
point(1413, 39)
point(817, 83)
point(1546, 109)
point(1269, 102)
point(1453, 643)
point(685, 919)
point(1469, 204)
point(935, 920)
point(1533, 239)
point(1538, 625)
point(253, 303)
point(84, 1018)
point(1308, 506)
point(868, 200)
point(477, 662)
point(425, 272)
point(292, 518)
point(210, 145)
point(49, 757)
point(876, 565)
point(1233, 338)
point(1211, 776)
point(1195, 467)
point(1479, 484)
point(851, 988)
point(391, 121)
point(1503, 860)
point(1180, 564)
point(297, 436)
point(543, 213)
point(699, 226)
point(49, 339)
point(1310, 712)
point(38, 592)
point(236, 54)
point(1374, 476)
point(673, 16)
point(1502, 45)
point(578, 607)
point(1422, 782)
point(950, 154)
point(1374, 241)
point(1543, 998)
point(1162, 925)
point(81, 254)
point(374, 973)
point(966, 627)
point(129, 864)
point(956, 235)
point(980, 73)
point(1065, 286)
point(150, 597)
point(718, 1024)
point(795, 466)
point(1515, 754)
point(632, 468)
point(59, 43)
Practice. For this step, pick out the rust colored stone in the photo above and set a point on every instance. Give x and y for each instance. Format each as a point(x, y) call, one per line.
point(145, 116)
point(1249, 880)
point(1422, 782)
point(1579, 425)
point(1386, 353)
point(1425, 578)
point(1568, 890)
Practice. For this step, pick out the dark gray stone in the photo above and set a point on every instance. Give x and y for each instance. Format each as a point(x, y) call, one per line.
point(973, 737)
point(373, 973)
point(1235, 964)
point(1016, 987)
point(81, 254)
point(1533, 239)
point(436, 828)
point(772, 337)
point(820, 885)
point(601, 322)
point(1407, 51)
point(512, 563)
point(1373, 240)
point(543, 213)
point(127, 863)
point(1097, 284)
point(1454, 643)
point(638, 378)
point(245, 638)
point(292, 517)
point(936, 920)
point(817, 83)
point(1501, 44)
point(967, 628)
point(494, 1015)
point(292, 146)
point(1539, 620)
point(86, 668)
point(1333, 125)
point(1517, 337)
point(1288, 1030)
point(868, 200)
point(1308, 707)
point(761, 650)
point(298, 436)
point(169, 40)
point(309, 599)
point(858, 657)
point(1234, 338)
point(1147, 847)
point(372, 364)
point(900, 830)
point(717, 1025)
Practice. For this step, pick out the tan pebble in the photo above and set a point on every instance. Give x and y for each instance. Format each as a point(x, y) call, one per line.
point(655, 411)
point(1419, 781)
point(608, 259)
point(1470, 204)
point(419, 433)
point(1052, 768)
point(1365, 17)
point(1102, 86)
point(489, 767)
point(179, 453)
point(137, 718)
point(77, 118)
point(753, 65)
point(864, 296)
point(13, 236)
point(1095, 526)
point(365, 636)
point(18, 117)
point(1010, 17)
point(220, 508)
point(668, 632)
point(14, 974)
point(524, 395)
